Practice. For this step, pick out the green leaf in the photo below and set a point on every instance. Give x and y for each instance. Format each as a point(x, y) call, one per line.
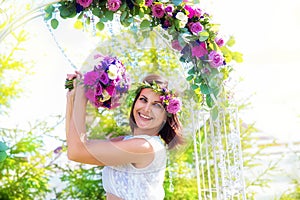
point(3, 146)
point(48, 16)
point(109, 15)
point(3, 156)
point(189, 78)
point(237, 56)
point(100, 26)
point(191, 71)
point(141, 13)
point(198, 79)
point(204, 89)
point(145, 24)
point(231, 41)
point(215, 113)
point(49, 9)
point(203, 36)
point(54, 23)
point(209, 101)
point(194, 86)
point(97, 12)
point(123, 15)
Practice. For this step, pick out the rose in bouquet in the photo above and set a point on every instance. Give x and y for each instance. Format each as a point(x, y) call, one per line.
point(106, 83)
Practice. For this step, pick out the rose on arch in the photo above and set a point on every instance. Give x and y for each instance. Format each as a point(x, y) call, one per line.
point(195, 27)
point(158, 10)
point(219, 41)
point(148, 2)
point(215, 59)
point(84, 3)
point(113, 5)
point(169, 9)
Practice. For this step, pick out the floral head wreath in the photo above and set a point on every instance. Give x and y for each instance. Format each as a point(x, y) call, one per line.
point(171, 103)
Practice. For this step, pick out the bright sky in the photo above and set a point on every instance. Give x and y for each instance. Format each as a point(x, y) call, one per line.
point(266, 33)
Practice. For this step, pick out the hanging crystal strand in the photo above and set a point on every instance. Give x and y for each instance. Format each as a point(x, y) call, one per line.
point(56, 42)
point(171, 186)
point(93, 25)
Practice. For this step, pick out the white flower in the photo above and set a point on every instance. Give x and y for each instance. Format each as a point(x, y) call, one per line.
point(183, 19)
point(112, 72)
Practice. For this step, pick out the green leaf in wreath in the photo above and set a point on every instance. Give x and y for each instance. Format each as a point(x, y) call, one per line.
point(145, 24)
point(3, 146)
point(54, 23)
point(96, 11)
point(100, 26)
point(3, 156)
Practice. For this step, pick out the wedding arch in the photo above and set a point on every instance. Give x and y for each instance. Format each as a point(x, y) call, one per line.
point(206, 59)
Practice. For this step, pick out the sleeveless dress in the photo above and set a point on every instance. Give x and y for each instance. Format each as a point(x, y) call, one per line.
point(130, 183)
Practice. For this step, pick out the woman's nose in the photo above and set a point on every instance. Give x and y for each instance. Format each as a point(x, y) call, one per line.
point(148, 106)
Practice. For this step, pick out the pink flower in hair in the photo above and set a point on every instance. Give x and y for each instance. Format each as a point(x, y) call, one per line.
point(174, 105)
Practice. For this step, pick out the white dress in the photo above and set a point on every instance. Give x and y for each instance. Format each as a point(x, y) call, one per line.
point(131, 183)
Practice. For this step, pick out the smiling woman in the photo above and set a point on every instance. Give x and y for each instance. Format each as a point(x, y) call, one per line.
point(134, 164)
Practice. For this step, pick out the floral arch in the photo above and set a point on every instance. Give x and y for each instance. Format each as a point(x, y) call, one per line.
point(207, 59)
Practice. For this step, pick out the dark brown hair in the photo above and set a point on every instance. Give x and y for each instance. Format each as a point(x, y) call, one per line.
point(171, 132)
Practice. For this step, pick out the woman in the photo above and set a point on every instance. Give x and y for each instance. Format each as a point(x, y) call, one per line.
point(134, 165)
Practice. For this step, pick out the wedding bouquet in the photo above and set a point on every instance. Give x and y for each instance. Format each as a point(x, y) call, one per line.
point(106, 83)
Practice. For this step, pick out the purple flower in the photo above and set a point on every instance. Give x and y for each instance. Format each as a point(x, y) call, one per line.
point(166, 24)
point(174, 106)
point(158, 10)
point(169, 8)
point(111, 90)
point(104, 78)
point(84, 3)
point(114, 5)
point(99, 89)
point(90, 78)
point(219, 41)
point(215, 59)
point(58, 150)
point(148, 2)
point(176, 45)
point(195, 27)
point(199, 50)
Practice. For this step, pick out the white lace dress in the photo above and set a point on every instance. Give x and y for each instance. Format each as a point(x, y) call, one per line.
point(131, 183)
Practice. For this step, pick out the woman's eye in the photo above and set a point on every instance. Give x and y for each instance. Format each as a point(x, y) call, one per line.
point(143, 99)
point(158, 105)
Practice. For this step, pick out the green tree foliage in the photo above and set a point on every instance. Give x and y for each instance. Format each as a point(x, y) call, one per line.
point(25, 173)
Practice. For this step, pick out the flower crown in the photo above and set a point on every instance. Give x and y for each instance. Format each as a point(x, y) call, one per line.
point(171, 103)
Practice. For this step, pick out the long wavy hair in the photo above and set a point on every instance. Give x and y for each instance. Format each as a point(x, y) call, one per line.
point(171, 132)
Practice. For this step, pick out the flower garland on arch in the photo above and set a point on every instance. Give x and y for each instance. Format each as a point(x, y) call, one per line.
point(190, 29)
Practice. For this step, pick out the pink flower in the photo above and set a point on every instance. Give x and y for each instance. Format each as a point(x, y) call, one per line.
point(195, 27)
point(174, 106)
point(197, 12)
point(199, 50)
point(90, 78)
point(158, 10)
point(114, 5)
point(148, 2)
point(219, 41)
point(111, 90)
point(190, 10)
point(84, 3)
point(176, 45)
point(90, 95)
point(215, 59)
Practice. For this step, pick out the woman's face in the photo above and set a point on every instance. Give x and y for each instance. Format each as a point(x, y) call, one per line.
point(148, 111)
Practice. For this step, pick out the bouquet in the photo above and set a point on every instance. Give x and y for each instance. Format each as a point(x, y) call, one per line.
point(106, 83)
